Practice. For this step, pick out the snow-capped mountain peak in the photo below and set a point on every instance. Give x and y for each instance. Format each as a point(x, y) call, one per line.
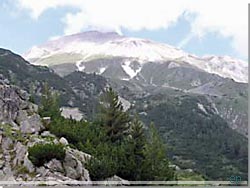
point(91, 45)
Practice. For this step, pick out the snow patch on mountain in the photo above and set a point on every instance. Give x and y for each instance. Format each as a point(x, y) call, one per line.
point(80, 66)
point(173, 65)
point(129, 71)
point(201, 107)
point(101, 70)
point(226, 66)
point(223, 66)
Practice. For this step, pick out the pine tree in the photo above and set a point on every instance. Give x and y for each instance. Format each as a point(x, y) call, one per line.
point(131, 156)
point(49, 104)
point(138, 136)
point(156, 165)
point(139, 142)
point(112, 116)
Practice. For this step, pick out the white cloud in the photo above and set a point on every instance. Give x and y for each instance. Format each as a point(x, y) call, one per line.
point(226, 17)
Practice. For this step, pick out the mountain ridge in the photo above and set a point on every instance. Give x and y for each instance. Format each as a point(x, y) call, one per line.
point(86, 46)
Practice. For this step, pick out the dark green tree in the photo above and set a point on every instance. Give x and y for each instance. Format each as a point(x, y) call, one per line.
point(156, 165)
point(132, 152)
point(103, 163)
point(112, 116)
point(49, 104)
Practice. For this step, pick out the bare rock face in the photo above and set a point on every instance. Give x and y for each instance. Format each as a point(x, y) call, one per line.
point(10, 103)
point(55, 165)
point(28, 164)
point(74, 164)
point(21, 151)
point(32, 124)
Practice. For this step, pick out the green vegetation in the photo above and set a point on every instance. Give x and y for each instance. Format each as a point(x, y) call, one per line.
point(112, 117)
point(14, 135)
point(42, 153)
point(22, 169)
point(156, 160)
point(118, 143)
point(189, 176)
point(192, 135)
point(49, 104)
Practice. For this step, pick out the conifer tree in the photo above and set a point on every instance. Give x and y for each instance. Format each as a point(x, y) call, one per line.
point(112, 116)
point(138, 136)
point(139, 142)
point(156, 165)
point(49, 104)
point(132, 155)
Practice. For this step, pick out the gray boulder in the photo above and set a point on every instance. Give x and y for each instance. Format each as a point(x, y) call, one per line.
point(74, 164)
point(64, 141)
point(55, 165)
point(32, 124)
point(28, 164)
point(21, 151)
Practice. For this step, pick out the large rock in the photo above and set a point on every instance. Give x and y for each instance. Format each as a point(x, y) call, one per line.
point(28, 164)
point(116, 180)
point(42, 171)
point(64, 141)
point(6, 143)
point(55, 165)
point(21, 151)
point(47, 134)
point(32, 125)
point(22, 116)
point(9, 103)
point(74, 164)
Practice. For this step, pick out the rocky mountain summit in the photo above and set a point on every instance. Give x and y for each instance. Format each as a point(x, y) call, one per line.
point(20, 128)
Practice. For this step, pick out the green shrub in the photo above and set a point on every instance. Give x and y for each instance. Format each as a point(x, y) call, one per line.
point(103, 164)
point(101, 168)
point(42, 153)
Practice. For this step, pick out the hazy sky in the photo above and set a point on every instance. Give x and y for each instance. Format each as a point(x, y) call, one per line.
point(197, 26)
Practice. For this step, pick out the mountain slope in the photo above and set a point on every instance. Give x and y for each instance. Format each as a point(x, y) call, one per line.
point(81, 48)
point(146, 63)
point(196, 136)
point(32, 78)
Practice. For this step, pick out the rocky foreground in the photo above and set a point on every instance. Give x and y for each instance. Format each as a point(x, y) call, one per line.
point(20, 128)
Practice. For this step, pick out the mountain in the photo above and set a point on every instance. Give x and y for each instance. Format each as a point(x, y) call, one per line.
point(141, 64)
point(32, 78)
point(197, 113)
point(79, 51)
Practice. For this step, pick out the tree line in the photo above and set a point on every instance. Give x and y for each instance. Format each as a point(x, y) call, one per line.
point(119, 142)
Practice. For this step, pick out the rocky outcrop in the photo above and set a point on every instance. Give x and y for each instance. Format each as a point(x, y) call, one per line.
point(22, 127)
